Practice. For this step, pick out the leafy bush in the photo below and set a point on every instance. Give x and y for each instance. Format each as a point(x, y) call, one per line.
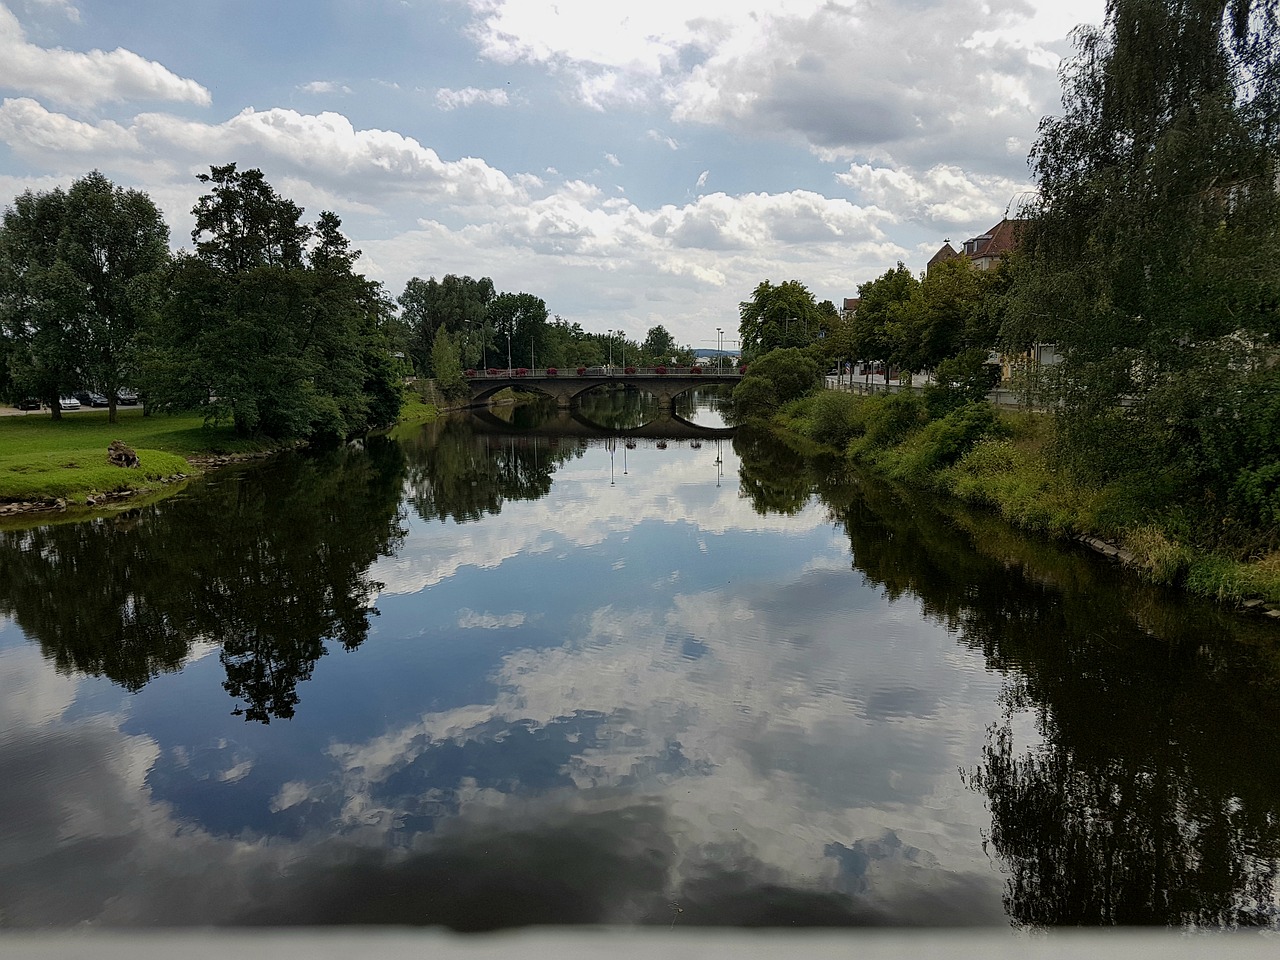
point(886, 421)
point(941, 443)
point(959, 380)
point(776, 378)
point(754, 397)
point(832, 418)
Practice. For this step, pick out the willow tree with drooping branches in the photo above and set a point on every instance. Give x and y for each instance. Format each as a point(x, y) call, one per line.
point(1151, 260)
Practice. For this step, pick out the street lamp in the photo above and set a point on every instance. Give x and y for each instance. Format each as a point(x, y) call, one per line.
point(719, 349)
point(508, 354)
point(609, 335)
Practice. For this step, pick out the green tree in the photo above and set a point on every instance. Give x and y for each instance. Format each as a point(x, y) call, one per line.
point(934, 322)
point(284, 342)
point(1149, 258)
point(78, 273)
point(457, 304)
point(447, 364)
point(882, 302)
point(659, 346)
point(519, 322)
point(785, 315)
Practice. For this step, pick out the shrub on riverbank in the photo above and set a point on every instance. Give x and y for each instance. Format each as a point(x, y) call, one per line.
point(1005, 461)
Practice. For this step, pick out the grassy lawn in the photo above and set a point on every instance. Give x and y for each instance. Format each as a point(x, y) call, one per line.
point(42, 458)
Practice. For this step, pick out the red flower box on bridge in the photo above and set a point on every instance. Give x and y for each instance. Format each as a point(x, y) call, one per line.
point(522, 371)
point(552, 372)
point(695, 370)
point(661, 370)
point(581, 371)
point(471, 373)
point(492, 371)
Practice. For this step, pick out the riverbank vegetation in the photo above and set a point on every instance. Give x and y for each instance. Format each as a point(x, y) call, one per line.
point(1146, 260)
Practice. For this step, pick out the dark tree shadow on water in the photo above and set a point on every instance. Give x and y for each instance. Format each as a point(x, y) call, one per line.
point(269, 562)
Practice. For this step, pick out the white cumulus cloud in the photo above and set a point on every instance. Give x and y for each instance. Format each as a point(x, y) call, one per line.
point(85, 79)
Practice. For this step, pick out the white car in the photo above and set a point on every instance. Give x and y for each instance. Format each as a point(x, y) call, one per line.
point(69, 403)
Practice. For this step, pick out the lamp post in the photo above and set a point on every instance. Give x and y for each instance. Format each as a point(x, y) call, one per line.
point(719, 349)
point(609, 335)
point(508, 354)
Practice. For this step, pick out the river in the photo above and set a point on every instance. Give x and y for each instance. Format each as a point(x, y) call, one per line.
point(491, 673)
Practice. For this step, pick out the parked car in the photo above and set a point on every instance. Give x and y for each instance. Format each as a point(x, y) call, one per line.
point(127, 396)
point(69, 403)
point(28, 403)
point(88, 398)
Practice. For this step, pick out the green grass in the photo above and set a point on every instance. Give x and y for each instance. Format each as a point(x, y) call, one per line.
point(44, 459)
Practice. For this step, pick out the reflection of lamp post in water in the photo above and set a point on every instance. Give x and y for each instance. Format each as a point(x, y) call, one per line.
point(611, 444)
point(719, 464)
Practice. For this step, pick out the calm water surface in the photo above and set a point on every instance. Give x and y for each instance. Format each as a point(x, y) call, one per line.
point(495, 673)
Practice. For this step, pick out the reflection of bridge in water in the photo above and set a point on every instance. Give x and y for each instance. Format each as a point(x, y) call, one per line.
point(666, 425)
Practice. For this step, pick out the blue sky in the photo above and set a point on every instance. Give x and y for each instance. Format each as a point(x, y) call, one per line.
point(631, 163)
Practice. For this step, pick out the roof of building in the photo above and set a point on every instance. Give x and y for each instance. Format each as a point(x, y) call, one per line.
point(851, 303)
point(996, 242)
point(946, 252)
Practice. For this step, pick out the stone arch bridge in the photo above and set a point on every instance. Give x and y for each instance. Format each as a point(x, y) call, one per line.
point(567, 386)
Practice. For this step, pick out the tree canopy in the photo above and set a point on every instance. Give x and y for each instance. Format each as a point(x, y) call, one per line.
point(78, 272)
point(1150, 256)
point(785, 315)
point(268, 325)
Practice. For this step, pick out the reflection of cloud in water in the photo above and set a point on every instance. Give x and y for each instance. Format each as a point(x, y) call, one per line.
point(584, 509)
point(792, 748)
point(470, 620)
point(742, 755)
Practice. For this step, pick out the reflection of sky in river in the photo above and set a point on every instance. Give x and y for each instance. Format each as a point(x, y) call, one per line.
point(624, 700)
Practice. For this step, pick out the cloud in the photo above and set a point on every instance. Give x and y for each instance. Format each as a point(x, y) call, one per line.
point(944, 195)
point(612, 160)
point(64, 7)
point(658, 137)
point(447, 99)
point(702, 178)
point(86, 79)
point(324, 86)
point(30, 128)
point(866, 80)
point(584, 250)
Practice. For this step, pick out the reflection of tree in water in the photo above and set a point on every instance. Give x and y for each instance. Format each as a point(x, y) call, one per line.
point(1154, 797)
point(269, 562)
point(459, 475)
point(772, 476)
point(613, 408)
point(694, 405)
